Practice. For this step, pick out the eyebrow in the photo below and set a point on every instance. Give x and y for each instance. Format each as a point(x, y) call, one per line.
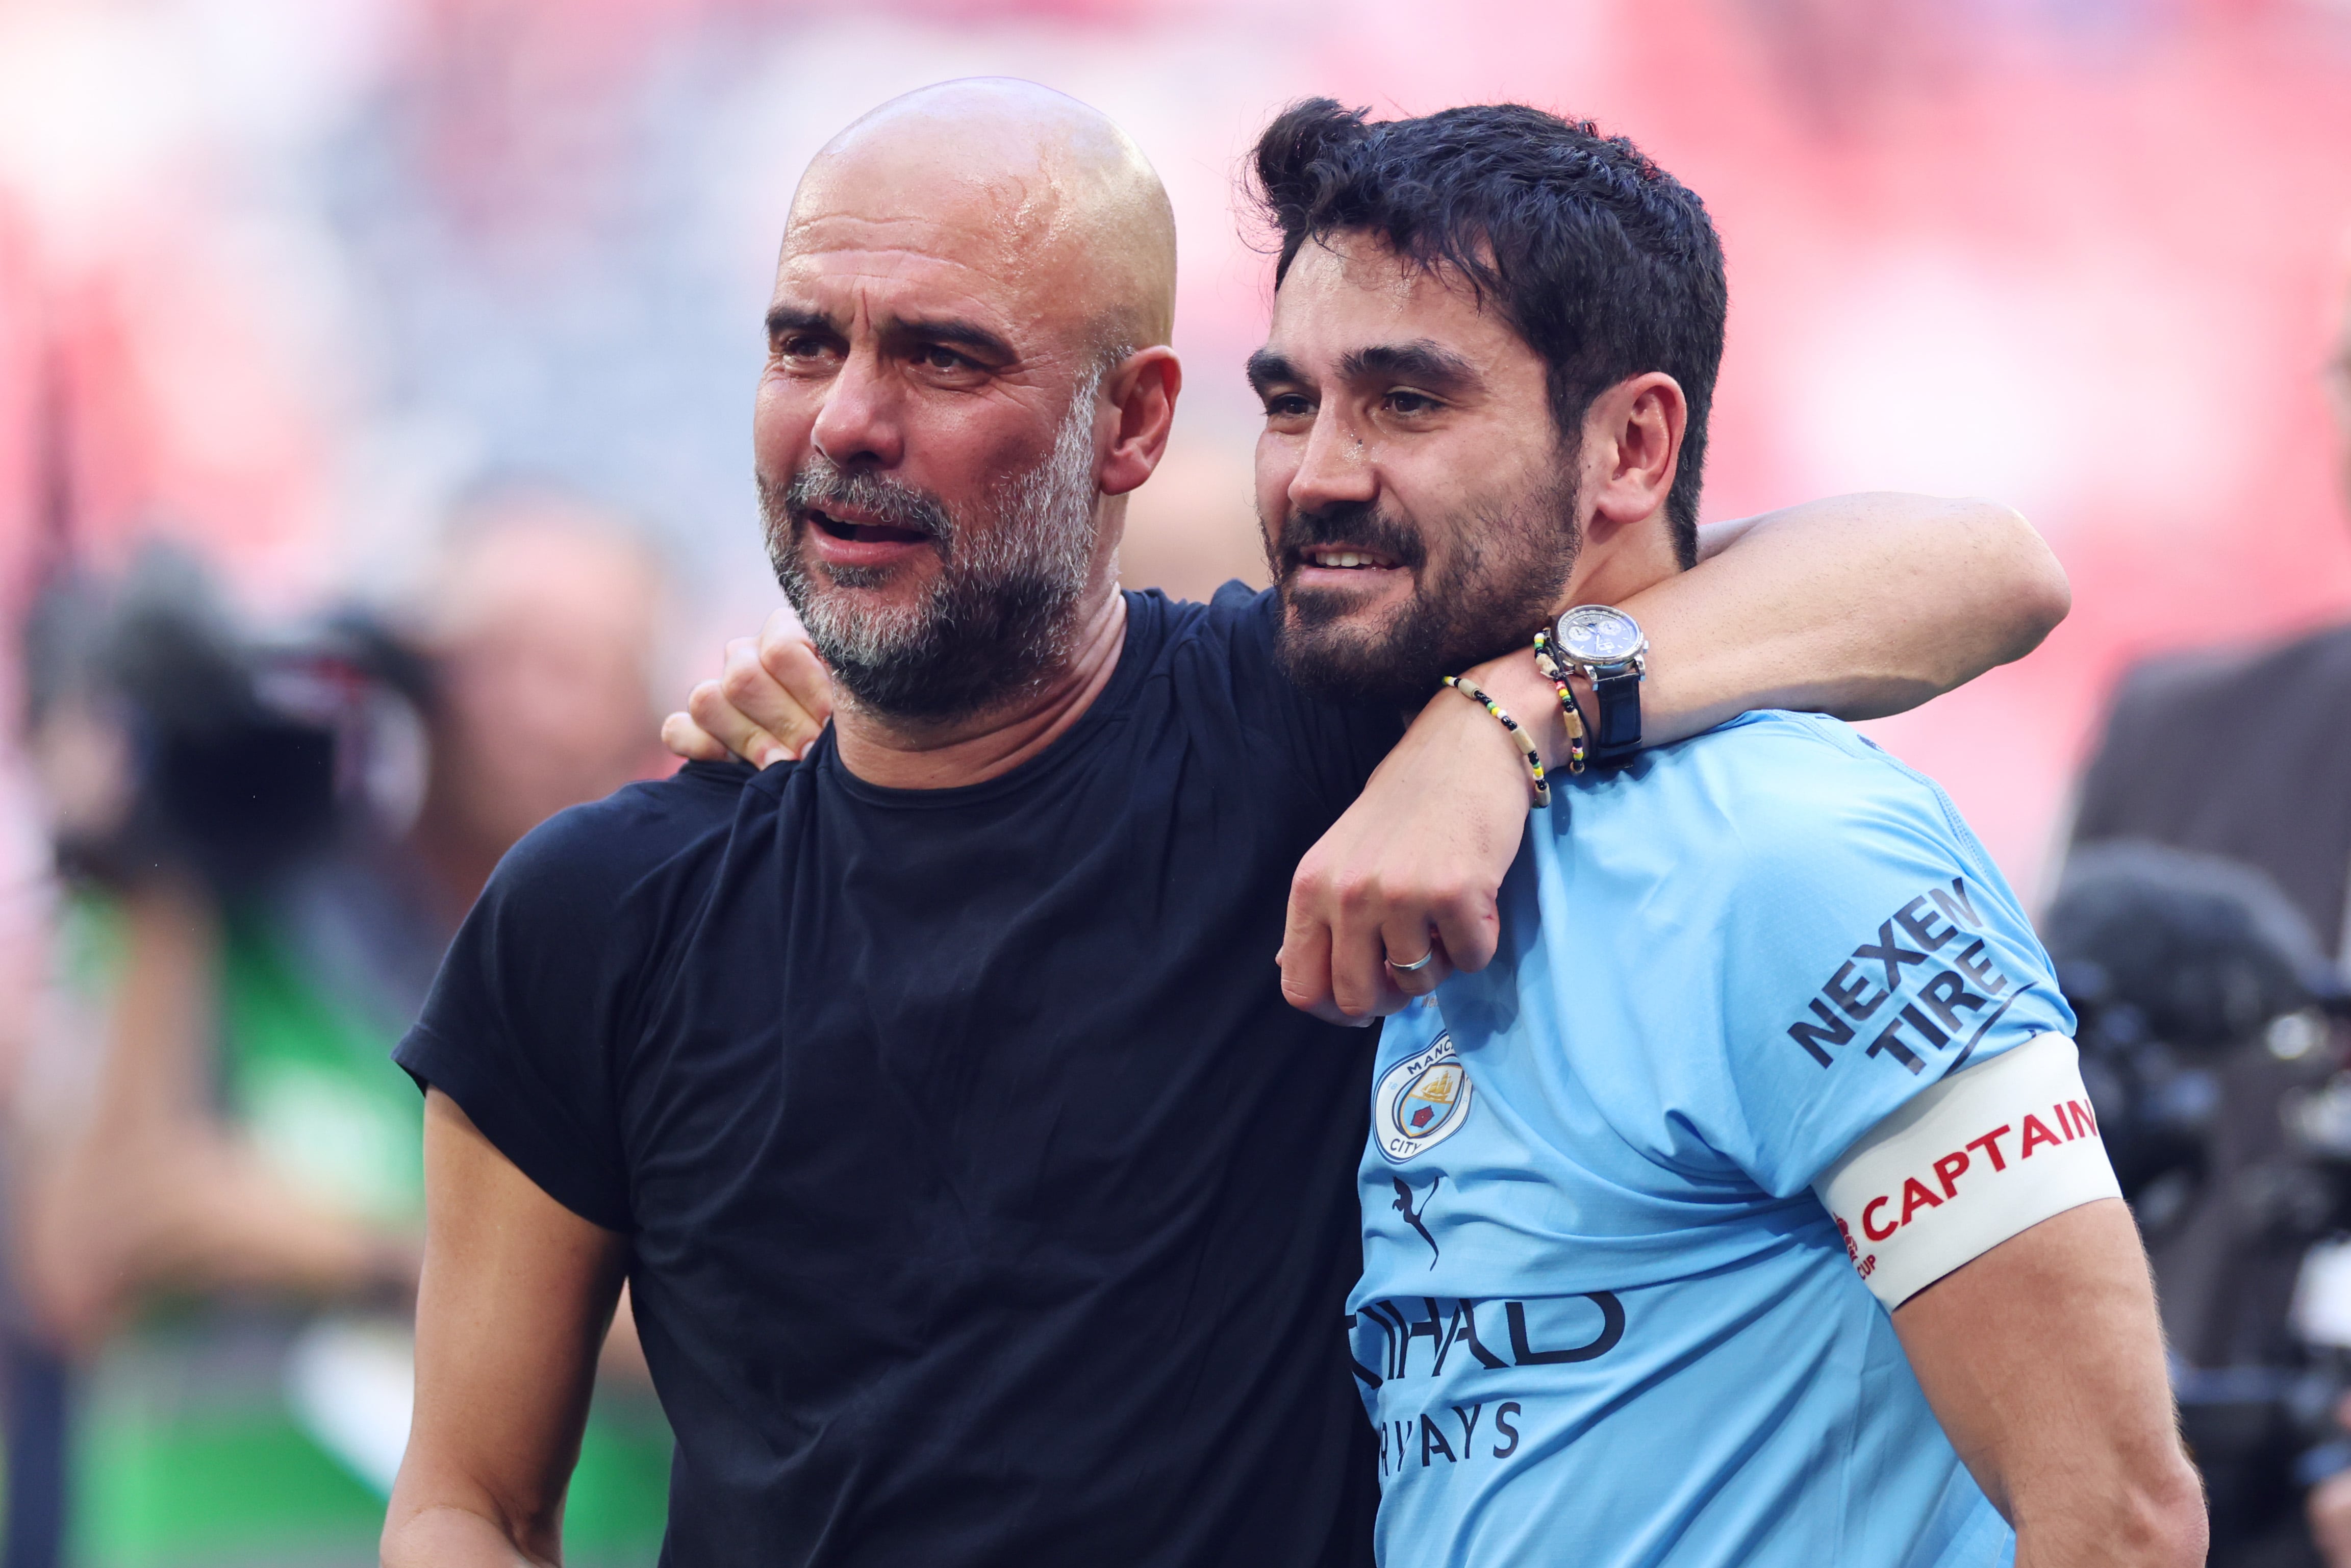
point(1266, 369)
point(1424, 361)
point(947, 330)
point(783, 318)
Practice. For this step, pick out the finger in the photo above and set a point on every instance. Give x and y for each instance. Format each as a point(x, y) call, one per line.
point(1406, 937)
point(1305, 955)
point(724, 722)
point(1328, 1012)
point(797, 702)
point(782, 625)
point(761, 699)
point(1359, 954)
point(1468, 929)
point(685, 738)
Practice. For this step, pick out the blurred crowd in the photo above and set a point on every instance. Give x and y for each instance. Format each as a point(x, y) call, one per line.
point(241, 813)
point(264, 838)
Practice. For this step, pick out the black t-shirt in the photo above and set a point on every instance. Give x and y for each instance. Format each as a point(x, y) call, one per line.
point(987, 1206)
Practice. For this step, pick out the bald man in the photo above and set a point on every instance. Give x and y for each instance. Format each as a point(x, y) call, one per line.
point(982, 1199)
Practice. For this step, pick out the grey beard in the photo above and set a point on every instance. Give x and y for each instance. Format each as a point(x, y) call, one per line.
point(1000, 616)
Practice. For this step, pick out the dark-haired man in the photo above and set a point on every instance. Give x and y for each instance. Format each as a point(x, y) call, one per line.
point(982, 1200)
point(1766, 1023)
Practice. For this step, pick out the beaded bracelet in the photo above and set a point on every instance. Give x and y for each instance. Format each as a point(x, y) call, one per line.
point(1526, 742)
point(1570, 710)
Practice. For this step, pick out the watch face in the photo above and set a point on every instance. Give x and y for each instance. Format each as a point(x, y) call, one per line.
point(1598, 634)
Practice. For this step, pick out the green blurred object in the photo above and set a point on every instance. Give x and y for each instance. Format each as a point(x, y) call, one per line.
point(188, 1452)
point(166, 1480)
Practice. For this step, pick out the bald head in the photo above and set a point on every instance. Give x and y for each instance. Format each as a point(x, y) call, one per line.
point(967, 372)
point(1028, 186)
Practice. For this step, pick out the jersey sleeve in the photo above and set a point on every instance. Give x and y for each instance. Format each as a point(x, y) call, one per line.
point(1870, 951)
point(529, 1019)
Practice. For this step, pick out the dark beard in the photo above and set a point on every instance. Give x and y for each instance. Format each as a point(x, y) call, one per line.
point(1496, 588)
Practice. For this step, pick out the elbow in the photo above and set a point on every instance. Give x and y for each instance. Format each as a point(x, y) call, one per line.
point(2034, 593)
point(2185, 1529)
point(2166, 1519)
point(2141, 1512)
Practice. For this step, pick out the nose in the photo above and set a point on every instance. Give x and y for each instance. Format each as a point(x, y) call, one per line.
point(1335, 468)
point(858, 425)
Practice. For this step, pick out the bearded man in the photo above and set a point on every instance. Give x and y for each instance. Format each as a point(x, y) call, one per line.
point(982, 1200)
point(1768, 1036)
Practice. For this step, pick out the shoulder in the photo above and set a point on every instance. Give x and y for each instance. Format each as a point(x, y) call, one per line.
point(1218, 659)
point(1795, 797)
point(1236, 625)
point(1235, 619)
point(596, 857)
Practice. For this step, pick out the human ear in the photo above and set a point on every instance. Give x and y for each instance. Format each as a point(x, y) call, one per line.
point(1142, 390)
point(1632, 448)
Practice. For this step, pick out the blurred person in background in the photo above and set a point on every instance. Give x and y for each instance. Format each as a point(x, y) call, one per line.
point(2222, 781)
point(220, 1192)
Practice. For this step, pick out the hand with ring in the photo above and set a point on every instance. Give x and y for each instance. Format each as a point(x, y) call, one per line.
point(1402, 890)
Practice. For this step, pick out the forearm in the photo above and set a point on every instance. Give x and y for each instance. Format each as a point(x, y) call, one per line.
point(2043, 1360)
point(516, 1294)
point(1857, 606)
point(442, 1535)
point(230, 1221)
point(128, 1209)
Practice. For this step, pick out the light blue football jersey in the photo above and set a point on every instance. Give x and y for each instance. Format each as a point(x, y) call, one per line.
point(1603, 1320)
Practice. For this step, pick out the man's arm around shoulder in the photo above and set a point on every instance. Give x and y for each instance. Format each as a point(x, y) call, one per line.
point(515, 1297)
point(2043, 1360)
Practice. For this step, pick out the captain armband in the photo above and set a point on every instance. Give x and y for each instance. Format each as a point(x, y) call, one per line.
point(1985, 1154)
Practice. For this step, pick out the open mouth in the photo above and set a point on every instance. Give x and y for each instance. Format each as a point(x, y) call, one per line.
point(1345, 558)
point(861, 532)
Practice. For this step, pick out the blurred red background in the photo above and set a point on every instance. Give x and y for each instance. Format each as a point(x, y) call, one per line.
point(285, 276)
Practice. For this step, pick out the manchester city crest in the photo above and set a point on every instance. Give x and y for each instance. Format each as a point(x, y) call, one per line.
point(1421, 1101)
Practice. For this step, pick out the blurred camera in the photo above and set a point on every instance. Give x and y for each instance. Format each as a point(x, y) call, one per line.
point(169, 738)
point(2211, 1050)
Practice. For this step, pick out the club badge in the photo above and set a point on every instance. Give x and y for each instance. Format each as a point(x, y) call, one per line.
point(1421, 1101)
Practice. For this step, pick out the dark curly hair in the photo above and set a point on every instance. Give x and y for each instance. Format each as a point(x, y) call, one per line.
point(1607, 266)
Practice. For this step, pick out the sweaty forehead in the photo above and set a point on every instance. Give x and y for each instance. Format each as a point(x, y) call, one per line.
point(996, 203)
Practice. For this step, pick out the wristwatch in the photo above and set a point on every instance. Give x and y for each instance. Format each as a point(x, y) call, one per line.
point(1608, 648)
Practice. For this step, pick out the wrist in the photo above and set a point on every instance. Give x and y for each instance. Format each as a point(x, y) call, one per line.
point(1513, 681)
point(1609, 651)
point(1530, 755)
point(1456, 727)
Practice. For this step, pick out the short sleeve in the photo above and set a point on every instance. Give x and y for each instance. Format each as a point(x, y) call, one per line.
point(1869, 950)
point(529, 1019)
point(1332, 745)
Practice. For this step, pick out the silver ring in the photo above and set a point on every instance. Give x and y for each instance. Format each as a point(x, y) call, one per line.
point(1420, 962)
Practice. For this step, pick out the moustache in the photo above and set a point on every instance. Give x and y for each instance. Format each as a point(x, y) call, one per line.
point(1358, 523)
point(820, 486)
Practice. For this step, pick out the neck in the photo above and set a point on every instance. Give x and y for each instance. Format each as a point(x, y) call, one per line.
point(1612, 570)
point(900, 755)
